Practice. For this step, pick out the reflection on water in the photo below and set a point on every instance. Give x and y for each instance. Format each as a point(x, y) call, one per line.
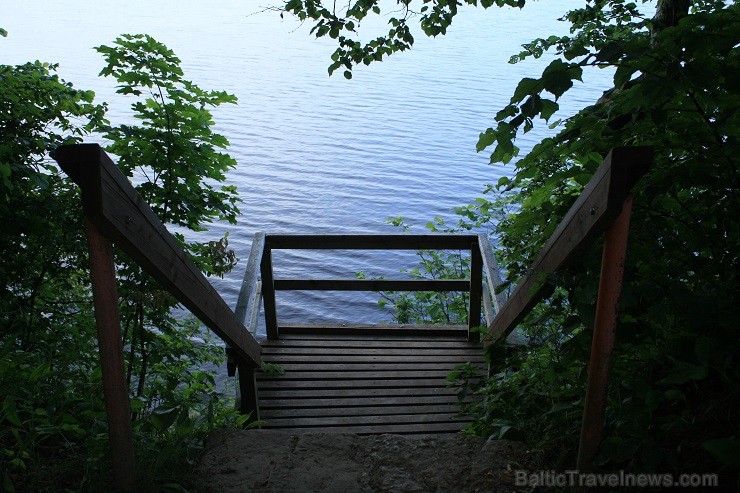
point(318, 154)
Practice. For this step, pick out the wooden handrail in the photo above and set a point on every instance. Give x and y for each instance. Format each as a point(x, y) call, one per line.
point(248, 303)
point(115, 212)
point(604, 204)
point(112, 204)
point(372, 285)
point(594, 209)
point(370, 242)
point(467, 242)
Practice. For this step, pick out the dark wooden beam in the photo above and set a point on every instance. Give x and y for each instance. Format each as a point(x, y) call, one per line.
point(476, 290)
point(370, 242)
point(375, 330)
point(599, 203)
point(268, 294)
point(248, 401)
point(115, 390)
point(113, 206)
point(371, 285)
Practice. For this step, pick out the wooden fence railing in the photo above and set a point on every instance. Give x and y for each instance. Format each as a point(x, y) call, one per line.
point(255, 289)
point(604, 204)
point(114, 212)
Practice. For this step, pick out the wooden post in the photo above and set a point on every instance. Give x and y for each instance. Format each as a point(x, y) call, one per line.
point(602, 345)
point(268, 294)
point(107, 321)
point(248, 401)
point(476, 290)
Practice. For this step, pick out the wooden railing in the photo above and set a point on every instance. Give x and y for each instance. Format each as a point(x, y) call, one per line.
point(604, 204)
point(114, 212)
point(255, 289)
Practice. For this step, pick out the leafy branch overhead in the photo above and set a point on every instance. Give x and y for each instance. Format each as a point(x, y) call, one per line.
point(604, 34)
point(342, 23)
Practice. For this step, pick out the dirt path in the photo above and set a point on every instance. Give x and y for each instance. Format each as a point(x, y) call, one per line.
point(265, 461)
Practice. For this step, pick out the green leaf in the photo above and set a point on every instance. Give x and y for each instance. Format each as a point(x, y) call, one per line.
point(725, 450)
point(347, 74)
point(548, 108)
point(611, 52)
point(674, 395)
point(10, 411)
point(684, 372)
point(525, 88)
point(485, 139)
point(163, 417)
point(558, 77)
point(622, 75)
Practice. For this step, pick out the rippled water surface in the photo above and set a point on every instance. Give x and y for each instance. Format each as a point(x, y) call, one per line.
point(318, 154)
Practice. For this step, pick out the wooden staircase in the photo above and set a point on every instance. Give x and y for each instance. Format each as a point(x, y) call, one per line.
point(383, 380)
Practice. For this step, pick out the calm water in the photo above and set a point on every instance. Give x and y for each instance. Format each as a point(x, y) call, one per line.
point(318, 154)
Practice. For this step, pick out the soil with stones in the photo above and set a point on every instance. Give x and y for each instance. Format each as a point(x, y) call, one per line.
point(266, 461)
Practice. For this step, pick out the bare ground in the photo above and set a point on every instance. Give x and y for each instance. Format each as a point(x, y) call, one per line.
point(267, 461)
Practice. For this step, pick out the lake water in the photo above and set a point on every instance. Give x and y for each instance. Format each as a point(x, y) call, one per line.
point(318, 154)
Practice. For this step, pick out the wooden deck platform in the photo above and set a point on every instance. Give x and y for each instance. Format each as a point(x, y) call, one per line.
point(365, 381)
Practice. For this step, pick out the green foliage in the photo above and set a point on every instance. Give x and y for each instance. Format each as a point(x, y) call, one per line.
point(341, 22)
point(51, 407)
point(173, 148)
point(672, 399)
point(53, 434)
point(429, 307)
point(671, 380)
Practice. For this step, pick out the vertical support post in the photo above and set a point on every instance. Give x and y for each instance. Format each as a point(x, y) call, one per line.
point(107, 321)
point(602, 345)
point(476, 291)
point(248, 400)
point(268, 293)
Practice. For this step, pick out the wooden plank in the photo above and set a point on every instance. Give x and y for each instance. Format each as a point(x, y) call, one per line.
point(599, 203)
point(488, 310)
point(249, 294)
point(476, 286)
point(254, 309)
point(405, 343)
point(354, 402)
point(374, 386)
point(369, 351)
point(412, 367)
point(436, 285)
point(354, 392)
point(492, 272)
point(389, 336)
point(304, 331)
point(329, 421)
point(357, 393)
point(401, 429)
point(321, 374)
point(320, 360)
point(314, 330)
point(268, 295)
point(289, 384)
point(112, 204)
point(370, 242)
point(360, 411)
